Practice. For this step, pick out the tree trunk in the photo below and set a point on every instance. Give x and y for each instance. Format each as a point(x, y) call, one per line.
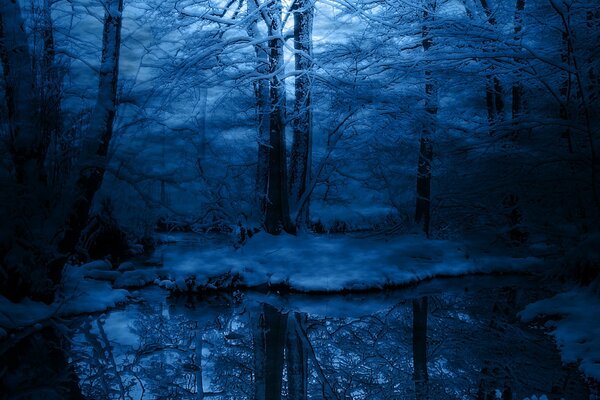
point(297, 358)
point(277, 217)
point(494, 98)
point(25, 136)
point(269, 343)
point(300, 164)
point(198, 362)
point(50, 87)
point(95, 144)
point(565, 89)
point(419, 342)
point(423, 207)
point(25, 204)
point(517, 88)
point(263, 110)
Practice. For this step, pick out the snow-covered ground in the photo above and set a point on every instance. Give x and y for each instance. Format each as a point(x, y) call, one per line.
point(317, 263)
point(307, 263)
point(577, 331)
point(78, 295)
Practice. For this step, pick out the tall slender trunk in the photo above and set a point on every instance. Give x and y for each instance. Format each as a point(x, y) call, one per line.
point(198, 362)
point(50, 89)
point(202, 100)
point(565, 89)
point(277, 217)
point(423, 206)
point(269, 343)
point(419, 344)
point(300, 163)
point(263, 109)
point(517, 87)
point(575, 79)
point(25, 206)
point(25, 136)
point(494, 93)
point(593, 71)
point(49, 81)
point(95, 145)
point(297, 358)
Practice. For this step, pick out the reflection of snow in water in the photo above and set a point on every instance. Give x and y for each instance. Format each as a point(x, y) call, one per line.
point(474, 343)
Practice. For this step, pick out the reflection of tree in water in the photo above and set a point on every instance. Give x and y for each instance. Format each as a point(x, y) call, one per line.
point(434, 347)
point(166, 363)
point(419, 346)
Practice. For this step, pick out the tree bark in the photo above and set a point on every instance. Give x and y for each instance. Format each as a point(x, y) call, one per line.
point(263, 110)
point(300, 164)
point(565, 88)
point(423, 206)
point(25, 206)
point(494, 96)
point(277, 217)
point(95, 144)
point(25, 135)
point(50, 87)
point(517, 88)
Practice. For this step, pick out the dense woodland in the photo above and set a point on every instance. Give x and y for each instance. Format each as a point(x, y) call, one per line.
point(455, 118)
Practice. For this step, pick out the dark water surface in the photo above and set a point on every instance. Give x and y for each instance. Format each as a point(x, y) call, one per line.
point(445, 339)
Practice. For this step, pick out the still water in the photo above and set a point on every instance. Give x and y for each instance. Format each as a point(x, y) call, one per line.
point(444, 339)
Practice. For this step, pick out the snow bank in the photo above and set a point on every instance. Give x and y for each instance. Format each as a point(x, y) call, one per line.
point(307, 263)
point(316, 263)
point(577, 332)
point(79, 295)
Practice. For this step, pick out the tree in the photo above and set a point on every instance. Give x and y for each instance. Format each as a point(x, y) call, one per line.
point(297, 357)
point(423, 208)
point(93, 158)
point(269, 343)
point(263, 106)
point(419, 344)
point(300, 163)
point(517, 87)
point(42, 232)
point(277, 216)
point(493, 90)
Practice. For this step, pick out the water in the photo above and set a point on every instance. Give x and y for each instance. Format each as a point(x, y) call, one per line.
point(445, 339)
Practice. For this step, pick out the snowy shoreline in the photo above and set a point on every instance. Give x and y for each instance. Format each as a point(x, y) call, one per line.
point(311, 264)
point(316, 264)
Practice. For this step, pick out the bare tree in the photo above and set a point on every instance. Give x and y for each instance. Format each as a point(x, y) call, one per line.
point(423, 207)
point(301, 157)
point(277, 216)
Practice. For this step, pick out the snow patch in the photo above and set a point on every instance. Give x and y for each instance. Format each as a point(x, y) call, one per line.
point(577, 332)
point(77, 296)
point(318, 263)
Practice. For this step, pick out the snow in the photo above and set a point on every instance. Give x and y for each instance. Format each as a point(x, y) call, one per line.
point(577, 332)
point(78, 295)
point(304, 263)
point(317, 263)
point(82, 295)
point(25, 313)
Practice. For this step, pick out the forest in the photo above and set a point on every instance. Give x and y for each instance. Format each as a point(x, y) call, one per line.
point(267, 199)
